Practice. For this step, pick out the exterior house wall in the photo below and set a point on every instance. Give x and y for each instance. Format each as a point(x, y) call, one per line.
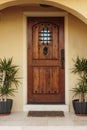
point(77, 43)
point(11, 43)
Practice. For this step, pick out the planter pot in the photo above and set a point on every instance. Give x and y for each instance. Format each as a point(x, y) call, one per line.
point(5, 106)
point(80, 108)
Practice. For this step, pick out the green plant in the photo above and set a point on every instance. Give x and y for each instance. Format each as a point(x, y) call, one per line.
point(9, 81)
point(80, 68)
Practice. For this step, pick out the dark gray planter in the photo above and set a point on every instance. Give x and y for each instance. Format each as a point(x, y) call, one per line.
point(5, 106)
point(80, 108)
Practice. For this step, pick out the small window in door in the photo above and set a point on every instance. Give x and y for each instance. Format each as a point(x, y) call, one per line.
point(45, 36)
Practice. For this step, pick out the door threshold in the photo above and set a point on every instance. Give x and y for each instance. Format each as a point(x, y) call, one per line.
point(43, 107)
point(46, 103)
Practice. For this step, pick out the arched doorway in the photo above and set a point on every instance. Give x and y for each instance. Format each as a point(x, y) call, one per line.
point(59, 4)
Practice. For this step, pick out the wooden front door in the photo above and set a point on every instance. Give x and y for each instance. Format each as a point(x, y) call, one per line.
point(45, 53)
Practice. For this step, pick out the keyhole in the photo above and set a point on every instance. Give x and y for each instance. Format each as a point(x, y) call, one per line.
point(45, 50)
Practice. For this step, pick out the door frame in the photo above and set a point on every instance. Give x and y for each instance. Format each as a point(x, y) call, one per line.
point(47, 14)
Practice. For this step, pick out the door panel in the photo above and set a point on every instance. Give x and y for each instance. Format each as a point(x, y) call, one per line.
point(45, 53)
point(45, 80)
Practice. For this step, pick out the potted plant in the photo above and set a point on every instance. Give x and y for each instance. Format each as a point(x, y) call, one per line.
point(80, 68)
point(9, 83)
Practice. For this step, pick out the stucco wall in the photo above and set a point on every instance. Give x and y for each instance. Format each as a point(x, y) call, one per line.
point(11, 44)
point(77, 36)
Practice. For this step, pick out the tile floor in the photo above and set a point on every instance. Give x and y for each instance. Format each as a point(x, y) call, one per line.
point(20, 121)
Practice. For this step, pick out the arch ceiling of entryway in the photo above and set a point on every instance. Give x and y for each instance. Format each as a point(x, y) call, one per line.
point(77, 8)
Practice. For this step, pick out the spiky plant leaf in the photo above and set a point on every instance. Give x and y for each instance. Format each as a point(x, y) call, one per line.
point(80, 65)
point(11, 81)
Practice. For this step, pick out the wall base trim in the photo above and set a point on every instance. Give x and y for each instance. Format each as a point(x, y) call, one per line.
point(34, 107)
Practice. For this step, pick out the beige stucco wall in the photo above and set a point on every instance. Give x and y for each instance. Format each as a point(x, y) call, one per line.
point(77, 46)
point(11, 44)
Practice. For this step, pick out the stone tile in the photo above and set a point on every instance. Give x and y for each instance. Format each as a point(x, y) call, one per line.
point(21, 119)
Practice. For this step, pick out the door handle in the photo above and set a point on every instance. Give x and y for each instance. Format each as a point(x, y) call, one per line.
point(62, 58)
